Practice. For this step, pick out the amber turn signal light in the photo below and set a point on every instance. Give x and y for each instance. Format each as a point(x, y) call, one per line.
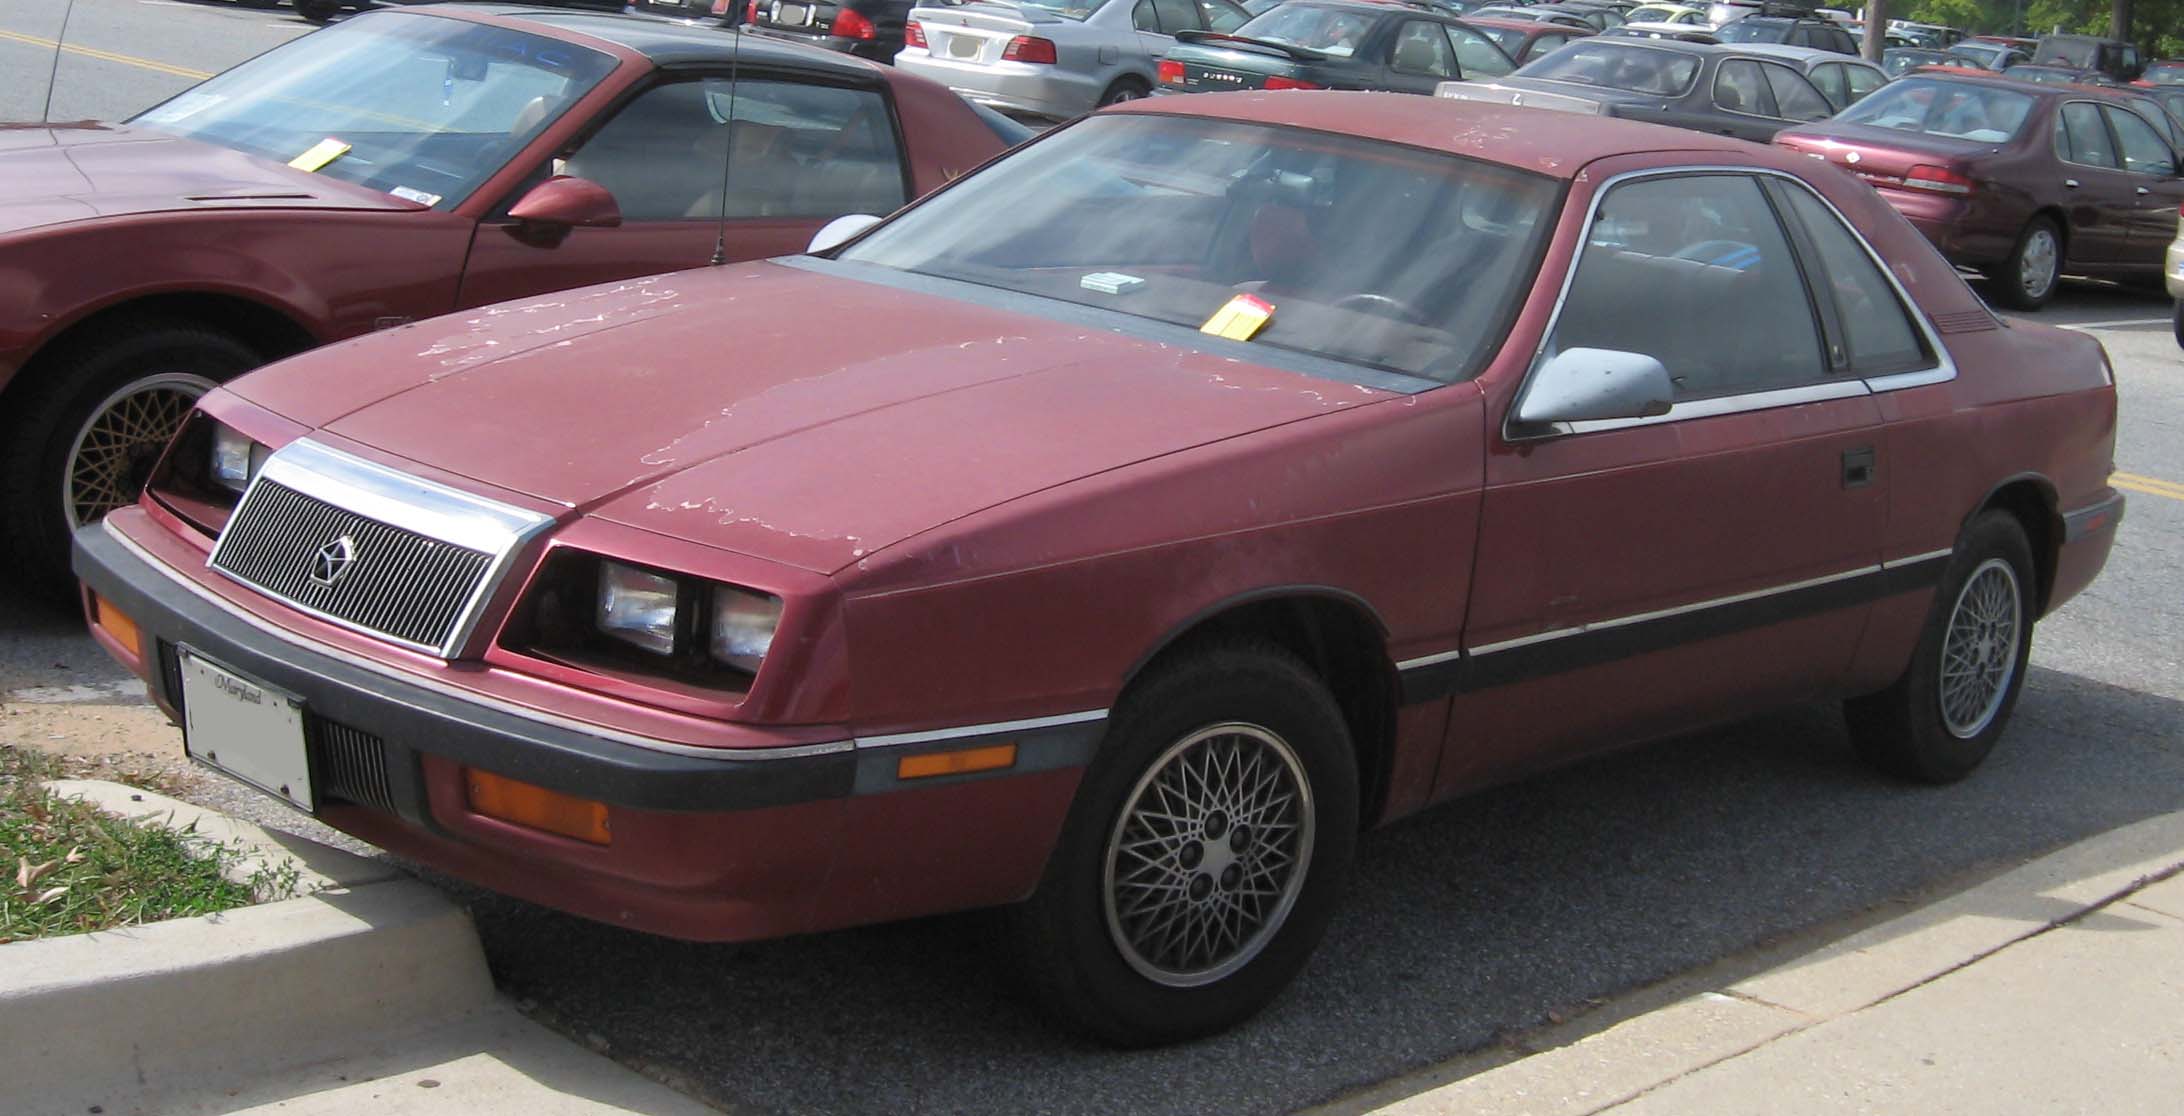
point(116, 623)
point(963, 762)
point(497, 796)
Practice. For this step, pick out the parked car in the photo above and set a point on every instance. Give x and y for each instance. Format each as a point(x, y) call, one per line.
point(1989, 56)
point(2059, 75)
point(1898, 61)
point(866, 28)
point(2172, 278)
point(1817, 33)
point(1721, 89)
point(1679, 14)
point(404, 164)
point(1843, 80)
point(1933, 35)
point(1524, 39)
point(1055, 59)
point(1538, 13)
point(1675, 32)
point(1334, 44)
point(1597, 17)
point(2167, 71)
point(2022, 182)
point(2116, 59)
point(1084, 572)
point(2018, 42)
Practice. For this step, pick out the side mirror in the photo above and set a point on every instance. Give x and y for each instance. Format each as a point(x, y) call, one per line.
point(839, 231)
point(1581, 385)
point(566, 201)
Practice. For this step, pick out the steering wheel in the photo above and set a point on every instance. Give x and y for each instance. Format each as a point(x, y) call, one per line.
point(1372, 302)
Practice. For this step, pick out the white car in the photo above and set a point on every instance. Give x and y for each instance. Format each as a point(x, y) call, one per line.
point(1054, 59)
point(1682, 15)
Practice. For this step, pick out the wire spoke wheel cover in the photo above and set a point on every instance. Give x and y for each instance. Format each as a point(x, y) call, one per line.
point(1208, 855)
point(1979, 650)
point(114, 450)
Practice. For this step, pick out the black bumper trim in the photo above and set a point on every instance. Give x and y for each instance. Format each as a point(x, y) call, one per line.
point(2101, 516)
point(426, 720)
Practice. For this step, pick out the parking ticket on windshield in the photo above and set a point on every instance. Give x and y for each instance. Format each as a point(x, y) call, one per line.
point(321, 153)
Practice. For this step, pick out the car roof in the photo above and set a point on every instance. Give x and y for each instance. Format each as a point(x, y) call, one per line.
point(665, 42)
point(1801, 53)
point(1528, 26)
point(1969, 76)
point(1543, 141)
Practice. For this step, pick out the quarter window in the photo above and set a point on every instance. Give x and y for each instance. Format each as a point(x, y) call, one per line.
point(2144, 151)
point(1695, 271)
point(1863, 80)
point(2083, 138)
point(1878, 337)
point(1176, 15)
point(1142, 17)
point(1832, 82)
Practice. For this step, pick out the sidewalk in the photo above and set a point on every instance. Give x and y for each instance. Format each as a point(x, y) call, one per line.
point(2057, 987)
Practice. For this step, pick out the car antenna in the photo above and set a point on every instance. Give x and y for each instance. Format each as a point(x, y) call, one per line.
point(728, 149)
point(53, 75)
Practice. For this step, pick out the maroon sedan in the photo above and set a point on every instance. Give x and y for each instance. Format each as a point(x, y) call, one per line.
point(1117, 531)
point(2020, 181)
point(402, 165)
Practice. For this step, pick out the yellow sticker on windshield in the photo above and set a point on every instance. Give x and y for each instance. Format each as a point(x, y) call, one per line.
point(323, 152)
point(1240, 319)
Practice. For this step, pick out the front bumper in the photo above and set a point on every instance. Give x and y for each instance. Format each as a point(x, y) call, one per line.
point(2172, 268)
point(714, 847)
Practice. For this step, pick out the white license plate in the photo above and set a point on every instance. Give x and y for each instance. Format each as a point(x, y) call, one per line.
point(795, 15)
point(246, 729)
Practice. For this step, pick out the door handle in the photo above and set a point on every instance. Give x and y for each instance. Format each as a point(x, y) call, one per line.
point(1858, 467)
point(2143, 191)
point(2071, 182)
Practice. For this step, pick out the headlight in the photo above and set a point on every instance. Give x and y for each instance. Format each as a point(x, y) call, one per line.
point(684, 620)
point(638, 608)
point(743, 626)
point(235, 458)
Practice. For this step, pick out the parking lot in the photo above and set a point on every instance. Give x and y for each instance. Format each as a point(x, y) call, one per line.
point(1468, 926)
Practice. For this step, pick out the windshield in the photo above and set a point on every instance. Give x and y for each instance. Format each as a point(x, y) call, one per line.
point(422, 107)
point(1664, 73)
point(1753, 31)
point(2165, 73)
point(1509, 39)
point(1336, 31)
point(1940, 108)
point(1899, 61)
point(1220, 226)
point(1067, 9)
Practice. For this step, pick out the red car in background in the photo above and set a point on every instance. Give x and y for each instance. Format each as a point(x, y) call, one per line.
point(2022, 182)
point(401, 165)
point(1524, 39)
point(1118, 530)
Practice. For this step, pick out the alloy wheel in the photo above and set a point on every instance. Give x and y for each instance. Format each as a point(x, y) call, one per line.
point(1979, 651)
point(1209, 855)
point(114, 450)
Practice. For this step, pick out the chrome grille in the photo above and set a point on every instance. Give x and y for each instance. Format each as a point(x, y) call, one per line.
point(399, 583)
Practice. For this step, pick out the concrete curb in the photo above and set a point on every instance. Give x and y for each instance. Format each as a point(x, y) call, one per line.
point(161, 1008)
point(265, 853)
point(1640, 1054)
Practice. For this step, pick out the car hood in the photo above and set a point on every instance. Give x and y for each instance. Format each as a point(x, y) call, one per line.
point(785, 411)
point(72, 172)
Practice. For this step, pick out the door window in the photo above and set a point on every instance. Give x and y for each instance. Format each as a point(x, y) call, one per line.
point(1176, 15)
point(1477, 54)
point(1740, 87)
point(1795, 98)
point(1221, 16)
point(1142, 17)
point(812, 151)
point(660, 156)
point(1878, 337)
point(2144, 151)
point(1421, 48)
point(1694, 271)
point(2082, 138)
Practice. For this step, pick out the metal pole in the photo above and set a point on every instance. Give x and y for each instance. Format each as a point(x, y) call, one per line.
point(1876, 28)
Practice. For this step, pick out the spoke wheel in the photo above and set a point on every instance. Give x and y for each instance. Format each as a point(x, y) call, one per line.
point(2038, 262)
point(115, 449)
point(1207, 857)
point(1979, 653)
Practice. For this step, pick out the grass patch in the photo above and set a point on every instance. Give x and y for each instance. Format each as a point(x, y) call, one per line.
point(67, 867)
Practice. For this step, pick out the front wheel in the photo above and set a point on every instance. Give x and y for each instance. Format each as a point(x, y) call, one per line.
point(1203, 856)
point(318, 11)
point(1941, 718)
point(2028, 278)
point(87, 435)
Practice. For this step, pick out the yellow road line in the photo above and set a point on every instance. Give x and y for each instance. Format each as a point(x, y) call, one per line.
point(107, 56)
point(2151, 486)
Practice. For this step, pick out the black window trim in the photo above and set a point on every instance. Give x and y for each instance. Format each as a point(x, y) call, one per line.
point(1811, 264)
point(1943, 370)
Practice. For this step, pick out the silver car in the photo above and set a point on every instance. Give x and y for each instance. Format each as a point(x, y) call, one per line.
point(1844, 79)
point(1054, 59)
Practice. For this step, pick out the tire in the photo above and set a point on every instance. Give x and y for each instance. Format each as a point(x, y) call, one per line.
point(83, 439)
point(318, 11)
point(2176, 319)
point(1124, 89)
point(1927, 727)
point(2039, 250)
point(1089, 939)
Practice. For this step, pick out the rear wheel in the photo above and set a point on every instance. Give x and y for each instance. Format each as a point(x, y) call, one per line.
point(1124, 89)
point(1203, 856)
point(86, 437)
point(2028, 278)
point(1938, 722)
point(318, 11)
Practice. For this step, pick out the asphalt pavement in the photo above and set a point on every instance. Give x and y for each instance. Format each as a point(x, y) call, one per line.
point(1468, 925)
